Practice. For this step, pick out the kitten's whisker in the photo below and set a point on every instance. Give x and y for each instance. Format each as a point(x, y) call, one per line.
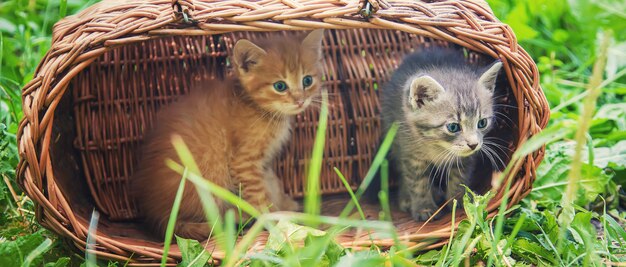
point(495, 156)
point(445, 174)
point(449, 162)
point(504, 116)
point(489, 153)
point(314, 106)
point(264, 115)
point(482, 155)
point(274, 121)
point(457, 166)
point(439, 166)
point(503, 148)
point(505, 93)
point(505, 105)
point(433, 168)
point(435, 176)
point(499, 147)
point(327, 92)
point(495, 138)
point(495, 164)
point(491, 160)
point(501, 96)
point(445, 171)
point(435, 163)
point(499, 159)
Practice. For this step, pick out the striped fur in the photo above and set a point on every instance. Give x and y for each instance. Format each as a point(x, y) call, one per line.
point(431, 89)
point(234, 128)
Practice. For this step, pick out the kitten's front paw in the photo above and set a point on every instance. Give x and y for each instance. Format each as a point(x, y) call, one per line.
point(193, 230)
point(288, 204)
point(423, 215)
point(419, 210)
point(264, 204)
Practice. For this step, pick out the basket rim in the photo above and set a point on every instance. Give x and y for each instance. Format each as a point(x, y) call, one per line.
point(80, 39)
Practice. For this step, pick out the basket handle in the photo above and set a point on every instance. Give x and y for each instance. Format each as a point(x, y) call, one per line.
point(367, 8)
point(183, 9)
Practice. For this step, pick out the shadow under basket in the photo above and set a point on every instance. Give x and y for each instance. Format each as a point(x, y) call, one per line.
point(114, 65)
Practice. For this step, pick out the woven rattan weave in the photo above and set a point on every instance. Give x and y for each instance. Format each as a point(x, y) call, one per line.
point(111, 67)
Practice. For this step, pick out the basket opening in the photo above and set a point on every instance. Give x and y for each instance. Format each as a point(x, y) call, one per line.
point(114, 101)
point(68, 170)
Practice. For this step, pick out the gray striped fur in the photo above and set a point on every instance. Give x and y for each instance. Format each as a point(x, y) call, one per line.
point(432, 161)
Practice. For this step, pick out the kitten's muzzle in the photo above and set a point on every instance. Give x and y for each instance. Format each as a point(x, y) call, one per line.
point(468, 150)
point(472, 145)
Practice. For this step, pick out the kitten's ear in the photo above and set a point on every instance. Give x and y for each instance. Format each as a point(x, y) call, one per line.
point(488, 79)
point(314, 41)
point(246, 54)
point(423, 88)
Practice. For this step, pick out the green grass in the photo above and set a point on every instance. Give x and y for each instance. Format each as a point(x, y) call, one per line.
point(571, 218)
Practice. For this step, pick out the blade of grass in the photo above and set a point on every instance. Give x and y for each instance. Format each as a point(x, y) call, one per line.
point(202, 186)
point(550, 244)
point(452, 223)
point(187, 160)
point(551, 185)
point(516, 228)
point(1, 51)
point(555, 132)
point(397, 259)
point(13, 195)
point(230, 236)
point(205, 190)
point(383, 195)
point(38, 251)
point(313, 198)
point(62, 9)
point(352, 196)
point(574, 175)
point(46, 19)
point(582, 95)
point(378, 160)
point(169, 231)
point(229, 197)
point(296, 217)
point(463, 243)
point(246, 241)
point(214, 189)
point(605, 229)
point(263, 221)
point(90, 257)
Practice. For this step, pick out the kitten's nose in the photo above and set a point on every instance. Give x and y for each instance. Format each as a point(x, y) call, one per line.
point(472, 146)
point(300, 103)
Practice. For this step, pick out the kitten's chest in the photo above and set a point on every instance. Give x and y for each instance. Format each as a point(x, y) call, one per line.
point(277, 139)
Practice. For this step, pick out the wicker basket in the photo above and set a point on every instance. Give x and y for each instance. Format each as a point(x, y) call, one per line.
point(111, 67)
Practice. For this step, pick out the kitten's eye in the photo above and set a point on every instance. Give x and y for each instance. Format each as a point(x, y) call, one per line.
point(280, 86)
point(453, 127)
point(482, 123)
point(307, 81)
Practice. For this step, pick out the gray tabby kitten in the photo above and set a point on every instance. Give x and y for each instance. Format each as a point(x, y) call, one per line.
point(444, 107)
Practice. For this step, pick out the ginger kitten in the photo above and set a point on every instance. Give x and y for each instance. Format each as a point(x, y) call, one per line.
point(444, 107)
point(234, 128)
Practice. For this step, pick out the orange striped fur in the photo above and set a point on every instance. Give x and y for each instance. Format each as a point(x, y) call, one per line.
point(234, 128)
